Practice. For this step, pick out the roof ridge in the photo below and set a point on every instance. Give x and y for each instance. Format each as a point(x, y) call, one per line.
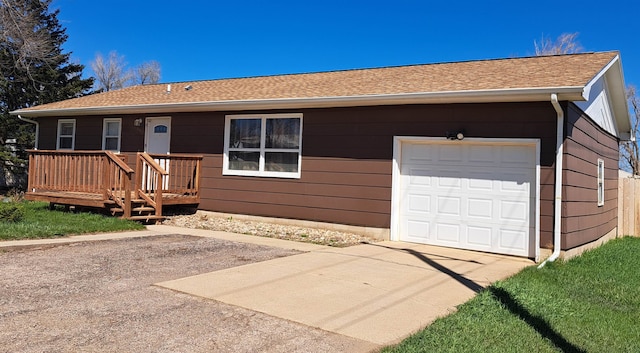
point(382, 67)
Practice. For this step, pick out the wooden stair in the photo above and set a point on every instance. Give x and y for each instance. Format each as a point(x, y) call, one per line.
point(141, 210)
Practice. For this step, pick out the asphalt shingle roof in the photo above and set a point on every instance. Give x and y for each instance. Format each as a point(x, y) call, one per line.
point(498, 74)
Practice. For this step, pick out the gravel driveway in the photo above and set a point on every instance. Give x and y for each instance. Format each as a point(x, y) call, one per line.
point(99, 297)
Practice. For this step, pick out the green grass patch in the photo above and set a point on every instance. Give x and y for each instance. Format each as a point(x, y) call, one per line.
point(39, 222)
point(588, 304)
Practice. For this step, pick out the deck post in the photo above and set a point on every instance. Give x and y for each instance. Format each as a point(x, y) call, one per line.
point(197, 179)
point(158, 197)
point(127, 196)
point(138, 174)
point(106, 180)
point(30, 173)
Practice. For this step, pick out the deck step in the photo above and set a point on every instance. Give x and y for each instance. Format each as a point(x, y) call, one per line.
point(145, 218)
point(143, 209)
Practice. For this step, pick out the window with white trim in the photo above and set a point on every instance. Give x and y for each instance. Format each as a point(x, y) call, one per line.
point(66, 134)
point(111, 134)
point(263, 145)
point(600, 182)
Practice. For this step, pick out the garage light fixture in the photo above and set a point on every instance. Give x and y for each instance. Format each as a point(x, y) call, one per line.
point(459, 135)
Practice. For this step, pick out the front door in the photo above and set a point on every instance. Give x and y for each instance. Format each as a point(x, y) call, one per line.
point(157, 139)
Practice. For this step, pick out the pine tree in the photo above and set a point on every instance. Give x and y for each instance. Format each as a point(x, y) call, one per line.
point(34, 70)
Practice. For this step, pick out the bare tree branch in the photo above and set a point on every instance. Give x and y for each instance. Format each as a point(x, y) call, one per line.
point(22, 34)
point(147, 73)
point(630, 150)
point(566, 43)
point(110, 73)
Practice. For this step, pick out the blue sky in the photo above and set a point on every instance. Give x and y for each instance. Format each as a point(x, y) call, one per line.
point(198, 40)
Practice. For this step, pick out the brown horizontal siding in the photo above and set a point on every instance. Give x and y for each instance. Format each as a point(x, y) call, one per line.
point(132, 137)
point(583, 221)
point(308, 189)
point(48, 132)
point(310, 201)
point(347, 157)
point(547, 196)
point(295, 212)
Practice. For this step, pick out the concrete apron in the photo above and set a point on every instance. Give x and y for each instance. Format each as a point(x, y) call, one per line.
point(379, 292)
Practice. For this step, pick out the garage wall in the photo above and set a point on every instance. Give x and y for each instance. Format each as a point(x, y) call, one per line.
point(347, 158)
point(583, 220)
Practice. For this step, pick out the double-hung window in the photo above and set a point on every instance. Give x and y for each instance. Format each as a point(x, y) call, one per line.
point(263, 145)
point(66, 134)
point(111, 134)
point(600, 182)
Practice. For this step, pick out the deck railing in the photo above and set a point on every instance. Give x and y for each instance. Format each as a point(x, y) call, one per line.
point(90, 172)
point(75, 171)
point(118, 181)
point(107, 174)
point(150, 178)
point(184, 173)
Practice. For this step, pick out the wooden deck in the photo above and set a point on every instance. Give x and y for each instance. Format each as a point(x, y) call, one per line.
point(100, 179)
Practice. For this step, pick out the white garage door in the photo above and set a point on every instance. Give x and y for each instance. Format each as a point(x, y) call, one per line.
point(469, 195)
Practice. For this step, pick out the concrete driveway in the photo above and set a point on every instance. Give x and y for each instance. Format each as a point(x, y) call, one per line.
point(77, 294)
point(97, 296)
point(379, 293)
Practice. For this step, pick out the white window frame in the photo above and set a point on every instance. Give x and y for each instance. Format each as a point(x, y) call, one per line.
point(59, 134)
point(600, 181)
point(261, 172)
point(105, 121)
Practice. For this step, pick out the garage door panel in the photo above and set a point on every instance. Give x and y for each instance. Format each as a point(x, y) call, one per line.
point(448, 206)
point(480, 236)
point(513, 240)
point(517, 155)
point(450, 154)
point(480, 208)
point(513, 182)
point(471, 196)
point(418, 176)
point(447, 232)
point(482, 155)
point(417, 230)
point(514, 211)
point(416, 155)
point(481, 181)
point(419, 204)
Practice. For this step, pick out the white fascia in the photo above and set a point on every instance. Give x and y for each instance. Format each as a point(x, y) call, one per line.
point(614, 83)
point(571, 93)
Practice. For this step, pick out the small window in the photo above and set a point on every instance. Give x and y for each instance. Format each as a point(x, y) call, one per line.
point(111, 134)
point(160, 129)
point(66, 134)
point(600, 182)
point(269, 145)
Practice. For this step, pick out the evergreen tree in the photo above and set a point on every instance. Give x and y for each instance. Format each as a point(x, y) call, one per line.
point(34, 70)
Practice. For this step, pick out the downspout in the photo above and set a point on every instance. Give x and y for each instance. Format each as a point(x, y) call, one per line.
point(37, 128)
point(557, 207)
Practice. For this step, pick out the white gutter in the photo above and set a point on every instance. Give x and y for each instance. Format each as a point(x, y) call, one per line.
point(557, 206)
point(37, 128)
point(570, 93)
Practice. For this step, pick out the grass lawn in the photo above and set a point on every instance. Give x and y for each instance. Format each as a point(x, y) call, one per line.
point(40, 222)
point(588, 304)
